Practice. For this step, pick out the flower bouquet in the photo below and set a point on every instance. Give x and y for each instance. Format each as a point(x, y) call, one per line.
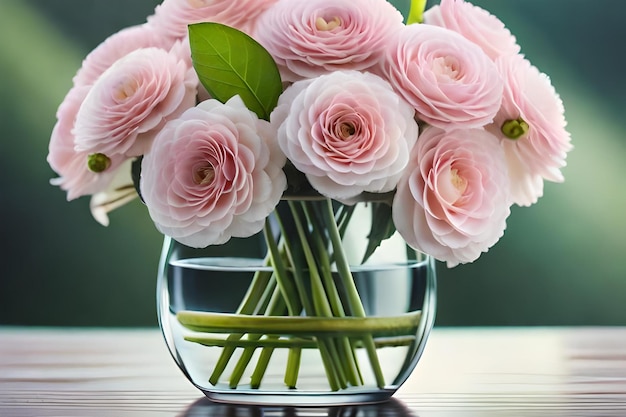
point(278, 118)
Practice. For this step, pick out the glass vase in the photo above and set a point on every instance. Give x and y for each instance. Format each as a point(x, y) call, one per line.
point(306, 312)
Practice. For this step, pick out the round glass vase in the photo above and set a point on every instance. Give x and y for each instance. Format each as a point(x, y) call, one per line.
point(292, 315)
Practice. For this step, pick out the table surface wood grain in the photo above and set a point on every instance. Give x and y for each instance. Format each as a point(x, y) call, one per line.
point(578, 371)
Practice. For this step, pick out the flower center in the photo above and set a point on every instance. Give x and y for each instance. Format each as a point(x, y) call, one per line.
point(125, 89)
point(325, 25)
point(458, 181)
point(346, 130)
point(204, 175)
point(447, 67)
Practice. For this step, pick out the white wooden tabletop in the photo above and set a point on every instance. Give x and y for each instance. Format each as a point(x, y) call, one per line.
point(547, 371)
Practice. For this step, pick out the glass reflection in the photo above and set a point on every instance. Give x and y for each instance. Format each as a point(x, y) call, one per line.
point(206, 408)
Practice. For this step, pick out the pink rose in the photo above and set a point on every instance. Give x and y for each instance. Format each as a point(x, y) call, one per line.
point(172, 17)
point(75, 177)
point(449, 80)
point(212, 174)
point(476, 24)
point(132, 100)
point(313, 37)
point(453, 200)
point(348, 131)
point(115, 47)
point(531, 127)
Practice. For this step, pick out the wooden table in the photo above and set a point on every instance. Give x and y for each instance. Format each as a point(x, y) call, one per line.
point(464, 372)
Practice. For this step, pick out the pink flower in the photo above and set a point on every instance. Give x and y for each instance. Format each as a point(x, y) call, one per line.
point(348, 131)
point(313, 37)
point(453, 200)
point(115, 47)
point(132, 100)
point(531, 127)
point(449, 80)
point(214, 173)
point(75, 177)
point(172, 17)
point(476, 24)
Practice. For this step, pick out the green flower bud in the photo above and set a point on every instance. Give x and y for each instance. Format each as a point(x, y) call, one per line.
point(515, 128)
point(98, 162)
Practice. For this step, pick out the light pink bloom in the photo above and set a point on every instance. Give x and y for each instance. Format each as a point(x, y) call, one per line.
point(348, 131)
point(74, 176)
point(115, 47)
point(212, 174)
point(172, 17)
point(449, 80)
point(313, 37)
point(476, 24)
point(539, 153)
point(132, 100)
point(453, 200)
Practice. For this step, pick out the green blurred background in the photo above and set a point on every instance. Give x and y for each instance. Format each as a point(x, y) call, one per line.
point(562, 262)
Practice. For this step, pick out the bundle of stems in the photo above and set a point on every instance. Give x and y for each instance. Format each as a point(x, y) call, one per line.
point(305, 299)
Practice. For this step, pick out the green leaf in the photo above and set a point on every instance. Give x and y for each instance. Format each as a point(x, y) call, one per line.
point(135, 174)
point(229, 63)
point(382, 227)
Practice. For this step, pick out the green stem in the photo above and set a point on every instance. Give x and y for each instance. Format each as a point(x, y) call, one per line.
point(276, 307)
point(222, 362)
point(320, 300)
point(320, 303)
point(347, 354)
point(293, 365)
point(256, 290)
point(343, 218)
point(416, 12)
point(291, 343)
point(297, 268)
point(255, 295)
point(282, 277)
point(290, 295)
point(262, 364)
point(354, 300)
point(205, 322)
point(331, 375)
point(279, 300)
point(266, 300)
point(329, 353)
point(242, 363)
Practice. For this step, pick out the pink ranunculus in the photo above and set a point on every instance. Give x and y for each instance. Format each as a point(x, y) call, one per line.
point(476, 24)
point(453, 200)
point(132, 100)
point(212, 174)
point(347, 131)
point(449, 80)
point(313, 37)
point(74, 176)
point(538, 151)
point(172, 17)
point(115, 47)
